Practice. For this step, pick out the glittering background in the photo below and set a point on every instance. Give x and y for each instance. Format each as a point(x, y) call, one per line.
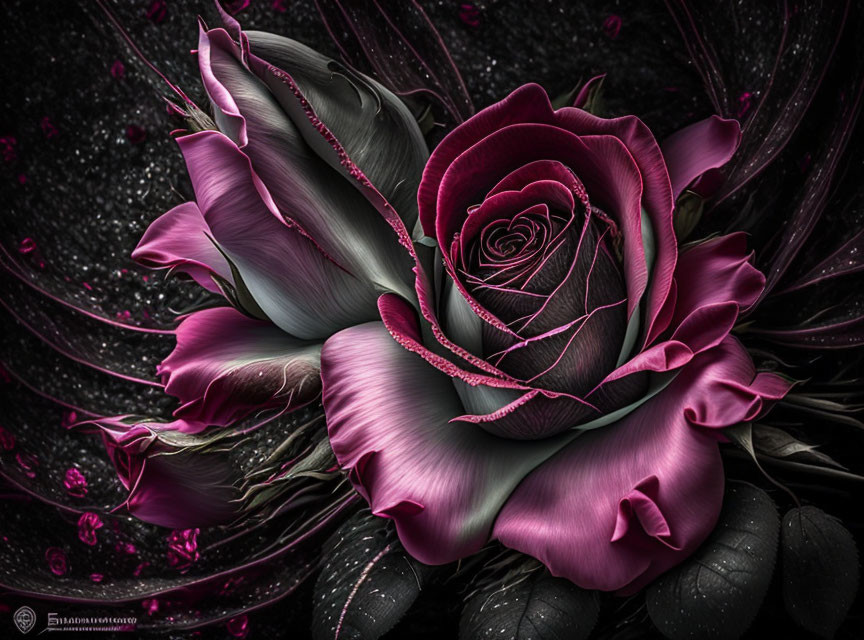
point(87, 163)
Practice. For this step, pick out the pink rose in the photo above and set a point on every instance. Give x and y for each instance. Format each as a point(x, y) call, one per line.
point(559, 380)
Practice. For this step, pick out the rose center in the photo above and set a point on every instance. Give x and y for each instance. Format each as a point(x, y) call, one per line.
point(553, 277)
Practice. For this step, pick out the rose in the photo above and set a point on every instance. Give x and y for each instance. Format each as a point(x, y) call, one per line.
point(75, 483)
point(568, 365)
point(554, 306)
point(88, 523)
point(286, 222)
point(55, 557)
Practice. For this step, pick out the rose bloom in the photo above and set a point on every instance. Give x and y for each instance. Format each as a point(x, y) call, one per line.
point(88, 523)
point(75, 483)
point(562, 386)
point(511, 345)
point(56, 560)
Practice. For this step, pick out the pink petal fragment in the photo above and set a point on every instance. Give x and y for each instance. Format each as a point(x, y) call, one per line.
point(523, 105)
point(714, 280)
point(656, 191)
point(178, 239)
point(693, 150)
point(717, 270)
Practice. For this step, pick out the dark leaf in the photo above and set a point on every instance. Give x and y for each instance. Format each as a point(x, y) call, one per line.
point(537, 606)
point(776, 443)
point(718, 591)
point(367, 583)
point(820, 570)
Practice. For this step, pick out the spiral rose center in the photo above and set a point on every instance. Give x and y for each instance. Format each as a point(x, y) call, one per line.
point(550, 273)
point(509, 252)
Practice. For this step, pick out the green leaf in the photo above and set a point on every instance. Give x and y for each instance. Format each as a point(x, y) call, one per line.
point(565, 99)
point(594, 103)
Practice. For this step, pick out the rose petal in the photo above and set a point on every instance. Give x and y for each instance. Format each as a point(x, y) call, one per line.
point(622, 504)
point(226, 365)
point(279, 266)
point(178, 239)
point(542, 170)
point(717, 270)
point(506, 204)
point(714, 280)
point(531, 104)
point(693, 150)
point(479, 399)
point(401, 321)
point(226, 112)
point(571, 361)
point(523, 105)
point(307, 194)
point(183, 489)
point(463, 326)
point(373, 126)
point(605, 167)
point(536, 414)
point(388, 417)
point(656, 191)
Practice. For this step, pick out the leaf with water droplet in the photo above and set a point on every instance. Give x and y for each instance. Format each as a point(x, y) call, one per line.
point(537, 606)
point(368, 581)
point(717, 592)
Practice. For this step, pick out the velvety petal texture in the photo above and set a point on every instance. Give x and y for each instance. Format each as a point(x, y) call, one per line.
point(622, 504)
point(168, 486)
point(513, 123)
point(702, 146)
point(180, 240)
point(714, 281)
point(637, 496)
point(278, 264)
point(558, 382)
point(555, 229)
point(389, 418)
point(548, 375)
point(226, 364)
